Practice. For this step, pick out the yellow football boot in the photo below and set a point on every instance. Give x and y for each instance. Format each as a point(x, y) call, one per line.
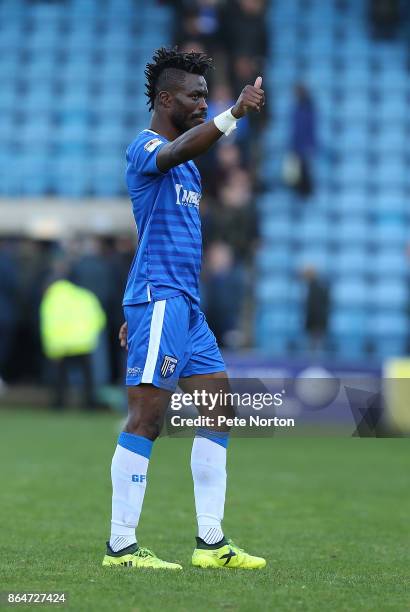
point(226, 556)
point(133, 556)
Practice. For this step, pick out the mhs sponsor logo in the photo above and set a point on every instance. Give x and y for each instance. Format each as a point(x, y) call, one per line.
point(186, 197)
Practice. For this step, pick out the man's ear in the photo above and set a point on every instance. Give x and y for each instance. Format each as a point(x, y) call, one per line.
point(165, 98)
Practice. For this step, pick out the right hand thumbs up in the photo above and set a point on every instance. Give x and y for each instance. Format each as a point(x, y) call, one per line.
point(251, 98)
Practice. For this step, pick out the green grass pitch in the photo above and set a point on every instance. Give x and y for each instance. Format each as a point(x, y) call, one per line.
point(331, 516)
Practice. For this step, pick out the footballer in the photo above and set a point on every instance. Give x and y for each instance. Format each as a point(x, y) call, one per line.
point(169, 341)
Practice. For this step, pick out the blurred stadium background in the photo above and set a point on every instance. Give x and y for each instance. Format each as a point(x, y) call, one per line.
point(305, 211)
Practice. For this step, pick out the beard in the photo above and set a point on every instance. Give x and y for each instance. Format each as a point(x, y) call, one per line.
point(182, 121)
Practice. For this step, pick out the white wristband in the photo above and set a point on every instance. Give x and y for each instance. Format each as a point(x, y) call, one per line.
point(225, 122)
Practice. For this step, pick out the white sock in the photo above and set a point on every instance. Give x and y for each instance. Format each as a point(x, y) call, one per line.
point(208, 465)
point(129, 476)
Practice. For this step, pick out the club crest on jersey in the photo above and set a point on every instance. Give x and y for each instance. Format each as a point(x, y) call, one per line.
point(168, 366)
point(152, 145)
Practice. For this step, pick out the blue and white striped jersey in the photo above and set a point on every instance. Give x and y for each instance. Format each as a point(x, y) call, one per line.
point(166, 211)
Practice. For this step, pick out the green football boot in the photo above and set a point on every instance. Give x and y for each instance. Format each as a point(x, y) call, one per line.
point(224, 555)
point(134, 556)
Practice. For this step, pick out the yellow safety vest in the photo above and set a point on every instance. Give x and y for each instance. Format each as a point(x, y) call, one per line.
point(71, 319)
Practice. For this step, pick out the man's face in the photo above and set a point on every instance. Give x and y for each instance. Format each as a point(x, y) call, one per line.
point(189, 107)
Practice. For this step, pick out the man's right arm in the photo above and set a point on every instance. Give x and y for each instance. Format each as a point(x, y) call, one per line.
point(199, 139)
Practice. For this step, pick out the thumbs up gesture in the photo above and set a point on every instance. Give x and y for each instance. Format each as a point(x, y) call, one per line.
point(252, 98)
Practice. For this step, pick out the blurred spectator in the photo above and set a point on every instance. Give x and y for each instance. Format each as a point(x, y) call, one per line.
point(118, 254)
point(245, 70)
point(93, 271)
point(317, 306)
point(192, 45)
point(245, 40)
point(208, 221)
point(71, 321)
point(298, 165)
point(220, 99)
point(8, 298)
point(226, 159)
point(31, 265)
point(385, 16)
point(244, 30)
point(223, 287)
point(197, 21)
point(237, 222)
point(33, 261)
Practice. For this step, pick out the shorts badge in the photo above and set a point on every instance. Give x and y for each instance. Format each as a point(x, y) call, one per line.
point(168, 366)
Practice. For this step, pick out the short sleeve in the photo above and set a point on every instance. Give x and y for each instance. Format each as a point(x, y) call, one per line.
point(142, 154)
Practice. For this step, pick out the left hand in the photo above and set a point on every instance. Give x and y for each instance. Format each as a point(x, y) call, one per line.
point(123, 335)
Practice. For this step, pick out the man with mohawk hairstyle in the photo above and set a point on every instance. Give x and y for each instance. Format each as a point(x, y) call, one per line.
point(167, 336)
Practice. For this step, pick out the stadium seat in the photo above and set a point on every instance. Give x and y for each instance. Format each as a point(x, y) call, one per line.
point(35, 133)
point(351, 202)
point(385, 204)
point(351, 229)
point(8, 99)
point(391, 139)
point(391, 170)
point(354, 137)
point(270, 260)
point(108, 175)
point(279, 229)
point(352, 261)
point(316, 256)
point(390, 324)
point(7, 129)
point(355, 106)
point(350, 347)
point(348, 321)
point(350, 292)
point(390, 263)
point(71, 177)
point(384, 234)
point(390, 346)
point(389, 293)
point(272, 287)
point(34, 172)
point(312, 230)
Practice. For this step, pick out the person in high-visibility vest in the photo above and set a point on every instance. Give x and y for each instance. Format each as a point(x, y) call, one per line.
point(71, 320)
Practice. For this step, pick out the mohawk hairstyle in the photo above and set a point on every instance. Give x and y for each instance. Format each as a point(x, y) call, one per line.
point(163, 59)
